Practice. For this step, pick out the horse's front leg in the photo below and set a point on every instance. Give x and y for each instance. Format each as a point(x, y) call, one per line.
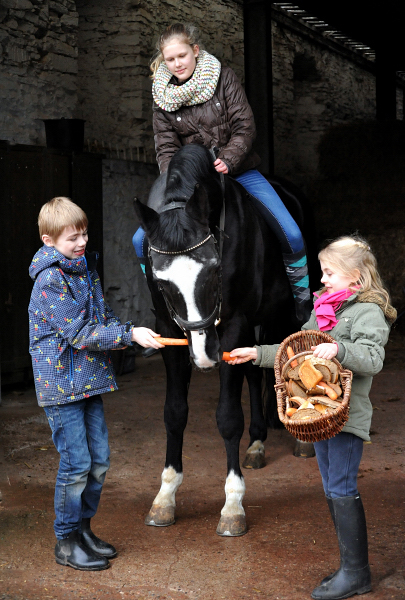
point(178, 372)
point(230, 422)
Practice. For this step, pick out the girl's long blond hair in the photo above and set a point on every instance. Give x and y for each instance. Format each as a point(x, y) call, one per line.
point(348, 253)
point(185, 32)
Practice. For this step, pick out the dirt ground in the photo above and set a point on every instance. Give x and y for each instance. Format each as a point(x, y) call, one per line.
point(290, 545)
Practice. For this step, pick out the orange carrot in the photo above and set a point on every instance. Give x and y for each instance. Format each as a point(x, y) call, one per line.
point(329, 391)
point(290, 354)
point(172, 341)
point(184, 342)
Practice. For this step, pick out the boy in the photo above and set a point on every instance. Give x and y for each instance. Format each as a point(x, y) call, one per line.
point(71, 331)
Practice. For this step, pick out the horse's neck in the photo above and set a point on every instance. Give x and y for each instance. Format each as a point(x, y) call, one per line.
point(157, 194)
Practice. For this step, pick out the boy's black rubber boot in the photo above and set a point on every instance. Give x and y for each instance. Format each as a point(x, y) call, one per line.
point(94, 543)
point(72, 552)
point(354, 576)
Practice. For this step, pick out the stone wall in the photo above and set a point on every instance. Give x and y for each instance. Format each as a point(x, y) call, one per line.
point(315, 87)
point(125, 285)
point(38, 66)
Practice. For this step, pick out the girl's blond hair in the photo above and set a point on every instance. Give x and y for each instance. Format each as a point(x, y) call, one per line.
point(185, 32)
point(348, 253)
point(58, 213)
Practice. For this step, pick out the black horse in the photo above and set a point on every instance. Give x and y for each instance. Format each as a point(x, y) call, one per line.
point(216, 275)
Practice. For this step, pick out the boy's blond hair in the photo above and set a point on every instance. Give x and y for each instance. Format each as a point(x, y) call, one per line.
point(58, 213)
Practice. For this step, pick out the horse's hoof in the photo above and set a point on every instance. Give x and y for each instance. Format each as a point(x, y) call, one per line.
point(232, 526)
point(304, 449)
point(255, 456)
point(160, 516)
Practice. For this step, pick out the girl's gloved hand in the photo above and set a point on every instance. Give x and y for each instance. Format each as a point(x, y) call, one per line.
point(146, 337)
point(242, 355)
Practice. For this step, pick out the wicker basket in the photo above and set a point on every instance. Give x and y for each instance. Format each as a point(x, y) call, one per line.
point(326, 425)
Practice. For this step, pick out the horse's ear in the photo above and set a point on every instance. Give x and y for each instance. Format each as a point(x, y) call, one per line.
point(146, 215)
point(198, 206)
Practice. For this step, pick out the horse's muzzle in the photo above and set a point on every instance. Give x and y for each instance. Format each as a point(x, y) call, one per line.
point(205, 349)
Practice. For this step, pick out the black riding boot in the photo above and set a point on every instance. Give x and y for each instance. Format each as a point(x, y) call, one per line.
point(72, 552)
point(94, 543)
point(332, 514)
point(353, 577)
point(297, 271)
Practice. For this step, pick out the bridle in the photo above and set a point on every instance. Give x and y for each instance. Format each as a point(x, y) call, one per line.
point(215, 316)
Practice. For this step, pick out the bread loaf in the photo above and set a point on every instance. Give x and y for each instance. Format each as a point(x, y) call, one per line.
point(332, 372)
point(309, 375)
point(325, 401)
point(295, 389)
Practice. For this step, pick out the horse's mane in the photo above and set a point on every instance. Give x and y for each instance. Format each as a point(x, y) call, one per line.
point(191, 165)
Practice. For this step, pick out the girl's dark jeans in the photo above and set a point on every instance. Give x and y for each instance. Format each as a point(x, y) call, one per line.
point(339, 460)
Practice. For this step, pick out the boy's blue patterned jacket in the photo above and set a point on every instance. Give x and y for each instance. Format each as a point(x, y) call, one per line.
point(71, 329)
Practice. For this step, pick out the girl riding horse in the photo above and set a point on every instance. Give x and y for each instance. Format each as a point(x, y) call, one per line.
point(198, 100)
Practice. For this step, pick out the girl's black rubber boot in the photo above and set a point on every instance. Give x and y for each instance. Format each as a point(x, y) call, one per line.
point(332, 514)
point(94, 543)
point(354, 576)
point(72, 552)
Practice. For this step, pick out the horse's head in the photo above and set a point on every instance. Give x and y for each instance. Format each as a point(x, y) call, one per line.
point(186, 266)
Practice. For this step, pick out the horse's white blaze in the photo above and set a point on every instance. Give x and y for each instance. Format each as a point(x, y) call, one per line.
point(201, 359)
point(183, 273)
point(234, 492)
point(171, 481)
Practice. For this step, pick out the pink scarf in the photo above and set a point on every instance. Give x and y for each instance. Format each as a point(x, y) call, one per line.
point(327, 305)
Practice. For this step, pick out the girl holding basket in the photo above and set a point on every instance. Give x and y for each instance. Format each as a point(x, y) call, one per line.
point(354, 308)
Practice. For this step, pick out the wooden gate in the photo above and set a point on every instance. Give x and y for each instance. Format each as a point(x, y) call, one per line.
point(30, 176)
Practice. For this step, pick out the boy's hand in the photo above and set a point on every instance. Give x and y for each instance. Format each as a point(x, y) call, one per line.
point(242, 355)
point(325, 350)
point(146, 337)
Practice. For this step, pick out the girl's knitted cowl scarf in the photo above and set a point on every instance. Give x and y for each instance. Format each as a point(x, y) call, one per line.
point(197, 90)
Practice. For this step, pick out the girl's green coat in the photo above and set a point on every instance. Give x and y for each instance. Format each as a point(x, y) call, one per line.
point(361, 332)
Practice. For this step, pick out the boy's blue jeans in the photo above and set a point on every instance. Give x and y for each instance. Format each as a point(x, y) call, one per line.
point(339, 460)
point(80, 435)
